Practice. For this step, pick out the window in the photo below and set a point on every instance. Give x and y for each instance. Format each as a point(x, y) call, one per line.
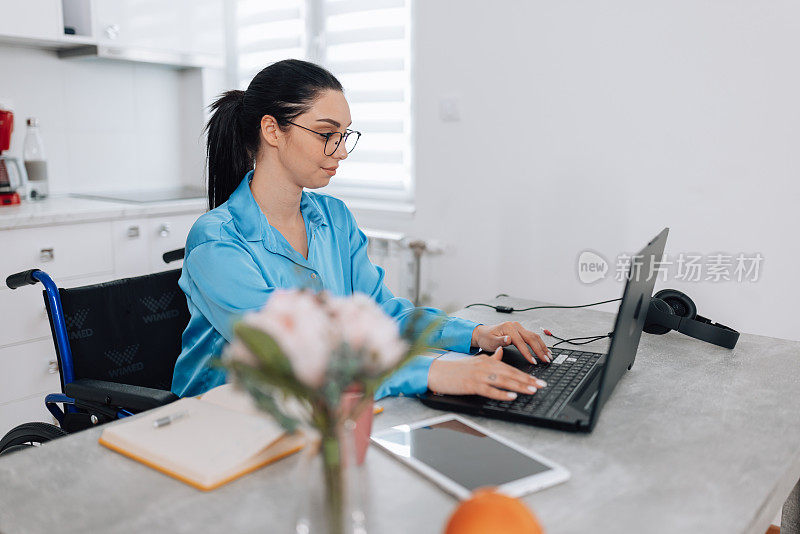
point(366, 44)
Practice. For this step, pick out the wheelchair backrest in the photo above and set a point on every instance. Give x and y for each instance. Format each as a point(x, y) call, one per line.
point(126, 331)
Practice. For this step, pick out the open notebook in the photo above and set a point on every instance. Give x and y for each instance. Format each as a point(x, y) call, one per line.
point(215, 439)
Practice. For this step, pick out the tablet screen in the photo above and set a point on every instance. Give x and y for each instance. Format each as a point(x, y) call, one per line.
point(461, 453)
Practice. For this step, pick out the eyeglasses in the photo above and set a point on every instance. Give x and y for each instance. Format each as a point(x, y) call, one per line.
point(333, 139)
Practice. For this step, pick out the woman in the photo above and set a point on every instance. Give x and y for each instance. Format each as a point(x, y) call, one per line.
point(286, 133)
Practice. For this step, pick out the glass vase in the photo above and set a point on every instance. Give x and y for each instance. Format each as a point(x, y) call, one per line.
point(331, 483)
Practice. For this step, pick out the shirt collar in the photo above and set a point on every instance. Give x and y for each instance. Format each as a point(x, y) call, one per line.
point(253, 224)
point(309, 207)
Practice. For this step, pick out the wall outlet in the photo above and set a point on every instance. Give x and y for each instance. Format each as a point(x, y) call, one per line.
point(449, 109)
point(435, 246)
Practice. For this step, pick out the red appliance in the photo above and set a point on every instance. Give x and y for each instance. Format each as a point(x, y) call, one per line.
point(10, 169)
point(6, 128)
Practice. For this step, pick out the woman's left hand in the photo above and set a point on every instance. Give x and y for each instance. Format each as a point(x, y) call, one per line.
point(490, 337)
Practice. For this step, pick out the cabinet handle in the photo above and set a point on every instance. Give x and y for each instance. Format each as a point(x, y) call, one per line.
point(112, 31)
point(133, 232)
point(164, 230)
point(52, 367)
point(46, 254)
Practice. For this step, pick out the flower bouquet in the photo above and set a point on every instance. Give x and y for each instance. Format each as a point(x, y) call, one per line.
point(304, 352)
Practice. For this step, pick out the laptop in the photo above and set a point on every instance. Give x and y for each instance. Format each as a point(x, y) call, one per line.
point(578, 382)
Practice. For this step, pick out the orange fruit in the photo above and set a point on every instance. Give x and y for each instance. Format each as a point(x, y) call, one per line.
point(489, 512)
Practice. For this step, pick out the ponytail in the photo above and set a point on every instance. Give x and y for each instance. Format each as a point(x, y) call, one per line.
point(229, 158)
point(283, 90)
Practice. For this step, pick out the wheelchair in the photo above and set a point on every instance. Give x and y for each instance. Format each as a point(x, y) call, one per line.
point(116, 343)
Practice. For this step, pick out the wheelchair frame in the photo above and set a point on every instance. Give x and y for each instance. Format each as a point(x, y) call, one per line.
point(98, 397)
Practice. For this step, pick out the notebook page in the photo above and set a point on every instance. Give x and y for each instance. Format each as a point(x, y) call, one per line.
point(228, 396)
point(210, 443)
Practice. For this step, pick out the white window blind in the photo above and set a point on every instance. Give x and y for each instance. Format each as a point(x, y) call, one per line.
point(366, 45)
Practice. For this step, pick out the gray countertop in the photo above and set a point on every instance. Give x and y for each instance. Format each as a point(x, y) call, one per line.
point(61, 209)
point(695, 438)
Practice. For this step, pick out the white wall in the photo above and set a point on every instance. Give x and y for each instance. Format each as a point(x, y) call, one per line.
point(106, 125)
point(592, 125)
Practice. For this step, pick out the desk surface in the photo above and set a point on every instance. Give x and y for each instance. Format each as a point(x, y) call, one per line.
point(695, 438)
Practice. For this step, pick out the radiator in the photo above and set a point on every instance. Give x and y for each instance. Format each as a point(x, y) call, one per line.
point(401, 259)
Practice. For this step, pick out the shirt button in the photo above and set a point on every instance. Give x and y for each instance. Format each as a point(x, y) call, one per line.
point(313, 275)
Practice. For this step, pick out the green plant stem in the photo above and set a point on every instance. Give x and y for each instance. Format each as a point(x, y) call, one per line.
point(334, 481)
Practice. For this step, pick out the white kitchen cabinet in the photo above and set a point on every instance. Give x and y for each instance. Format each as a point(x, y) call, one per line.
point(23, 411)
point(141, 23)
point(182, 33)
point(205, 33)
point(72, 254)
point(63, 252)
point(139, 244)
point(30, 20)
point(189, 32)
point(131, 247)
point(168, 233)
point(24, 316)
point(33, 367)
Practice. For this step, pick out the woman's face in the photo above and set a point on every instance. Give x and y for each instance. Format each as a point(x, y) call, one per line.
point(303, 153)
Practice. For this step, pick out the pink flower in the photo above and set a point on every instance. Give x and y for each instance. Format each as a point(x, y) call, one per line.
point(239, 352)
point(363, 325)
point(302, 329)
point(309, 328)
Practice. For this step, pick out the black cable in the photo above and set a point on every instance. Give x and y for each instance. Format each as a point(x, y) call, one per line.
point(579, 306)
point(481, 304)
point(509, 309)
point(573, 340)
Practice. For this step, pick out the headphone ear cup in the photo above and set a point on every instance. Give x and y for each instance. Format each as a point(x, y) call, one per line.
point(653, 326)
point(680, 302)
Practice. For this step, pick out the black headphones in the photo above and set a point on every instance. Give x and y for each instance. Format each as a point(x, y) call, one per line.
point(672, 310)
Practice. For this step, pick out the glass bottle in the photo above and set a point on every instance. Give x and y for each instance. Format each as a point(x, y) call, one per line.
point(35, 162)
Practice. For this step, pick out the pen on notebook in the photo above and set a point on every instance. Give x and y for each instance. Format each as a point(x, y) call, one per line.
point(167, 419)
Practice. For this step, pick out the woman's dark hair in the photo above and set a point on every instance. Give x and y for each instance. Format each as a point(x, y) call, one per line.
point(284, 90)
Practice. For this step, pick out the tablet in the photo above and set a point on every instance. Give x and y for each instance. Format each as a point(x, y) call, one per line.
point(460, 457)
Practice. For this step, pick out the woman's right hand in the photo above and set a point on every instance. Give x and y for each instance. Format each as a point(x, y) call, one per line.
point(481, 375)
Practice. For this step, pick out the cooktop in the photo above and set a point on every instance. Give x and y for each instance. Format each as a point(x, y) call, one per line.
point(147, 195)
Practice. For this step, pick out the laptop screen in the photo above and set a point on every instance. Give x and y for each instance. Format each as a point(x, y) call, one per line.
point(631, 316)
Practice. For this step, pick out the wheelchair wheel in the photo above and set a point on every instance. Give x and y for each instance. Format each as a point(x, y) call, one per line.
point(29, 433)
point(13, 448)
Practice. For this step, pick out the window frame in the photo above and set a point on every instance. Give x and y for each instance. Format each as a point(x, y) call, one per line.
point(377, 195)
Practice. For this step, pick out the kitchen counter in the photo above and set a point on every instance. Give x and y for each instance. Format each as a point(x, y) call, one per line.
point(60, 209)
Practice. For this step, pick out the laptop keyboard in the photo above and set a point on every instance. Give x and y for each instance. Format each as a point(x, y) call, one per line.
point(562, 375)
